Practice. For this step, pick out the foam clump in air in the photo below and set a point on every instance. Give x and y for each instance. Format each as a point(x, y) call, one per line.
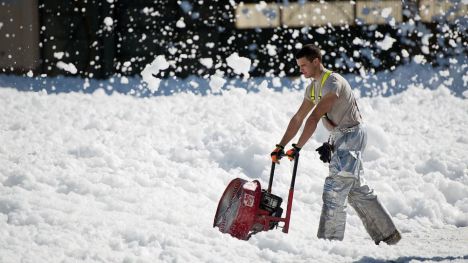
point(150, 72)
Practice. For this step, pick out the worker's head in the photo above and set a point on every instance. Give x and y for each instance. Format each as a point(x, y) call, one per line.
point(309, 59)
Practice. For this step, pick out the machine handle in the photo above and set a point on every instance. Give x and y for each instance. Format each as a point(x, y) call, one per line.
point(272, 172)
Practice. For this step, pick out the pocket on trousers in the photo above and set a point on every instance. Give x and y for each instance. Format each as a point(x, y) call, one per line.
point(330, 195)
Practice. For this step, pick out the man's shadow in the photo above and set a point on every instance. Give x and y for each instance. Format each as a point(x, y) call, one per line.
point(408, 259)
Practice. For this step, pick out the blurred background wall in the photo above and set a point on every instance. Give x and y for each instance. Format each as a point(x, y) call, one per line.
point(101, 38)
point(19, 35)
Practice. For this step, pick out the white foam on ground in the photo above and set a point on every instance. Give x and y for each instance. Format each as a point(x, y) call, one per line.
point(100, 178)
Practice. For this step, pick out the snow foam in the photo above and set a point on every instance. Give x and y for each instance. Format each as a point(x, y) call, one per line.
point(90, 177)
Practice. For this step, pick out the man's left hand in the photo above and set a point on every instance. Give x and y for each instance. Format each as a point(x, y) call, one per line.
point(291, 153)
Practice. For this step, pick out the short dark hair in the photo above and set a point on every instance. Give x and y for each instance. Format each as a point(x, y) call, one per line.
point(310, 52)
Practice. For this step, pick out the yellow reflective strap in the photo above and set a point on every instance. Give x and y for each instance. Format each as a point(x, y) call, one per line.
point(312, 93)
point(324, 78)
point(312, 90)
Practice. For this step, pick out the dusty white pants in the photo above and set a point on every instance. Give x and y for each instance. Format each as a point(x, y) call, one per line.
point(344, 183)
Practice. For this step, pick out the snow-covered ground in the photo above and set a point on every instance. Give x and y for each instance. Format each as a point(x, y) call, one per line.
point(98, 178)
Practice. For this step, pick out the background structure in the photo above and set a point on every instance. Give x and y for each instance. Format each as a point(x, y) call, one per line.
point(98, 39)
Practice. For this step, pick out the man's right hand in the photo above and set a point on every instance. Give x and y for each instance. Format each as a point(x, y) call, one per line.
point(277, 153)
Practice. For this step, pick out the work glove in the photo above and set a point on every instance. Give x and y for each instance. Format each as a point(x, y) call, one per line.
point(291, 153)
point(277, 153)
point(325, 152)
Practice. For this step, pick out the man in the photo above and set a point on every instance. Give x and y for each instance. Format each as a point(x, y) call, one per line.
point(331, 99)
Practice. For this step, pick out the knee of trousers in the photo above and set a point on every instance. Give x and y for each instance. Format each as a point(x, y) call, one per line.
point(362, 196)
point(334, 198)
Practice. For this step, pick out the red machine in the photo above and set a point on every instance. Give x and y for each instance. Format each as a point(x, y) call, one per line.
point(246, 209)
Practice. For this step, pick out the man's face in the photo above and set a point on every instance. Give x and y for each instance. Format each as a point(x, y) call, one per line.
point(308, 68)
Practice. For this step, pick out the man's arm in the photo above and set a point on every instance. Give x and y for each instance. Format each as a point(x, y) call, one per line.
point(296, 121)
point(324, 106)
point(329, 125)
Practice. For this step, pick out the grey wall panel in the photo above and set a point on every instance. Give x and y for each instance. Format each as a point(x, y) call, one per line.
point(19, 35)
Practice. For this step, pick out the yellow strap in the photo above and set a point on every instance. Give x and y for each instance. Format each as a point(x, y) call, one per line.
point(312, 90)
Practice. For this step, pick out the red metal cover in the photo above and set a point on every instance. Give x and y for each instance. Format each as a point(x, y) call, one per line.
point(238, 208)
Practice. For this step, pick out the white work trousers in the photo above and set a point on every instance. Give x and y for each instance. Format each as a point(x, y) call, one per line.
point(345, 182)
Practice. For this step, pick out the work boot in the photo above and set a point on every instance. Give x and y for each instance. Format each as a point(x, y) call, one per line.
point(392, 239)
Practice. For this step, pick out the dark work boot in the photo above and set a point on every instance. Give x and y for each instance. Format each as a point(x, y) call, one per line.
point(392, 239)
